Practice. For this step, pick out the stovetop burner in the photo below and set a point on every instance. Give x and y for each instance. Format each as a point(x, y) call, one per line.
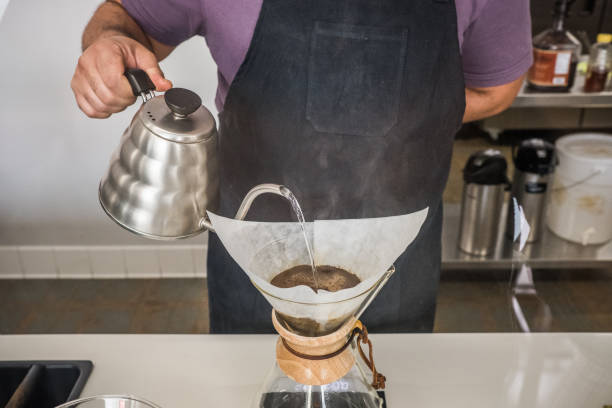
point(41, 384)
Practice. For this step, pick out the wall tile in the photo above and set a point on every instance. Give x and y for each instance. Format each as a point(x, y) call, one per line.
point(73, 263)
point(199, 261)
point(102, 262)
point(10, 265)
point(38, 262)
point(176, 262)
point(107, 262)
point(142, 262)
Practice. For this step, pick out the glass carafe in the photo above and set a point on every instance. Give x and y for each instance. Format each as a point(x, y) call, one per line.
point(325, 370)
point(351, 391)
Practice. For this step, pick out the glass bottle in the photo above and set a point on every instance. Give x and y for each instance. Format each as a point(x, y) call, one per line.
point(600, 63)
point(555, 55)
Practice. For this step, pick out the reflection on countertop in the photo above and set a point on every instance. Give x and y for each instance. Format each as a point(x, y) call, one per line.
point(545, 300)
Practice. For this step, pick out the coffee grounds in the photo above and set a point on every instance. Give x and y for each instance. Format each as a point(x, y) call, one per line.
point(309, 327)
point(329, 278)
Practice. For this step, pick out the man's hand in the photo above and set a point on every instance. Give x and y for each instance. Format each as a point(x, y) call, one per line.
point(99, 85)
point(112, 42)
point(484, 102)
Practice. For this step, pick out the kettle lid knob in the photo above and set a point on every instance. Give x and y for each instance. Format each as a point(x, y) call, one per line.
point(181, 101)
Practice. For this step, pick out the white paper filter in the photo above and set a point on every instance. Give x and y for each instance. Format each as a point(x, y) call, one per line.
point(366, 247)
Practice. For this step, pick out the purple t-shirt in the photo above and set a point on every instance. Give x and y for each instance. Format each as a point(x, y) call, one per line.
point(494, 35)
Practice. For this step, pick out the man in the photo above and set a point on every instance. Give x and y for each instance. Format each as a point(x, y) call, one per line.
point(352, 104)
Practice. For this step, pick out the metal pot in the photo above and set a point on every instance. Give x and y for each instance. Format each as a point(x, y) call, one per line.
point(164, 174)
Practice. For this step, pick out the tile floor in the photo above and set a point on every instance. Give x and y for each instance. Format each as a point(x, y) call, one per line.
point(104, 306)
point(467, 302)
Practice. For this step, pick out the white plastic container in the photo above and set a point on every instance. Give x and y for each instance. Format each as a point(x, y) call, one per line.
point(580, 206)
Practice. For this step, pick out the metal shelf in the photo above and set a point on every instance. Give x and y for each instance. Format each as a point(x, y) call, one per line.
point(573, 99)
point(549, 252)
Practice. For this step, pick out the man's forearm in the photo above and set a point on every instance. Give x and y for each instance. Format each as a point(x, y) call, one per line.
point(481, 103)
point(112, 19)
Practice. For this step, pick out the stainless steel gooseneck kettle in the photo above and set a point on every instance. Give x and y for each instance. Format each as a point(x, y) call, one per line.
point(164, 175)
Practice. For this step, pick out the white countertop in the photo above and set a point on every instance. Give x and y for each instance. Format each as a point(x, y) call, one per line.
point(422, 370)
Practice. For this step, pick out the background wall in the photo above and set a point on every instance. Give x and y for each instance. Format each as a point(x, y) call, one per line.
point(51, 155)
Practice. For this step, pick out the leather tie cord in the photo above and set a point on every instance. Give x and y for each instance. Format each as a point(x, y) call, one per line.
point(355, 331)
point(378, 380)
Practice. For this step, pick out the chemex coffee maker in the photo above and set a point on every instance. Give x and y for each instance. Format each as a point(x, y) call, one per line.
point(162, 184)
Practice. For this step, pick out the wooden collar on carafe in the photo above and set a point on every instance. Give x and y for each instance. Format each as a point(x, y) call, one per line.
point(308, 371)
point(324, 359)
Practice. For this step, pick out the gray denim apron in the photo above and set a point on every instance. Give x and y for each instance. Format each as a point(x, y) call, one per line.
point(353, 105)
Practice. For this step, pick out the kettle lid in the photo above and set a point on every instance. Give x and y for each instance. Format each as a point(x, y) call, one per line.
point(178, 116)
point(535, 156)
point(486, 167)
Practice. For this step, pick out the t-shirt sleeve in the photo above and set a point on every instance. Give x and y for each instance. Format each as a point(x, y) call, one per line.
point(497, 44)
point(168, 21)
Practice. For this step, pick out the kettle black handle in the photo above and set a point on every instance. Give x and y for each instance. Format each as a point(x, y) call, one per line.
point(139, 81)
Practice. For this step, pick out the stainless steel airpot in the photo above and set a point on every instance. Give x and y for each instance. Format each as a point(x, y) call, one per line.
point(164, 175)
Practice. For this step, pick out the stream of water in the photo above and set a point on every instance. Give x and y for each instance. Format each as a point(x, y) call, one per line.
point(300, 217)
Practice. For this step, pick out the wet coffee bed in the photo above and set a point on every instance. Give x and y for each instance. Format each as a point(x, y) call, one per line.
point(328, 278)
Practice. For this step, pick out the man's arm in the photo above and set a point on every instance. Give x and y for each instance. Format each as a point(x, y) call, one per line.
point(496, 53)
point(112, 42)
point(112, 19)
point(484, 102)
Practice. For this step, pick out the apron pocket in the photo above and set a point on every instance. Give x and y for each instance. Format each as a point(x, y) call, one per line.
point(354, 78)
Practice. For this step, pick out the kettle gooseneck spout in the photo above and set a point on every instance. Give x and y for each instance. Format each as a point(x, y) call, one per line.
point(248, 201)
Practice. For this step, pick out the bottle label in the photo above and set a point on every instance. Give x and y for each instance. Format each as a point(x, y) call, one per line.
point(550, 68)
point(535, 188)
